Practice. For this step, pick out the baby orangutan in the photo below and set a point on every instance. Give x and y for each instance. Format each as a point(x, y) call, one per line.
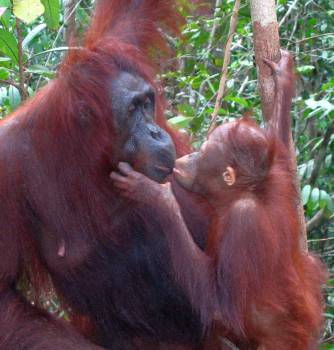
point(252, 274)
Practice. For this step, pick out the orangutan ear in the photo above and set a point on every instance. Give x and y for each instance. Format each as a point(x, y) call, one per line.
point(229, 176)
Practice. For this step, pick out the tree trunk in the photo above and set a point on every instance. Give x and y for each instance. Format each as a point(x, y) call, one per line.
point(266, 45)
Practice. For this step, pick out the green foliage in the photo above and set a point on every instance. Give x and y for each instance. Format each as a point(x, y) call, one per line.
point(52, 13)
point(8, 45)
point(42, 45)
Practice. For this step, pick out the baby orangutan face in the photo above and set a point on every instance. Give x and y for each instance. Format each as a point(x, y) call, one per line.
point(207, 172)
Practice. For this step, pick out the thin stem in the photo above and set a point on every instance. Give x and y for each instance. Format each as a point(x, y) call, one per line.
point(288, 13)
point(22, 89)
point(69, 18)
point(227, 57)
point(10, 82)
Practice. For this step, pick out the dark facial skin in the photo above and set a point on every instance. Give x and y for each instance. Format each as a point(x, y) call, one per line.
point(142, 143)
point(188, 172)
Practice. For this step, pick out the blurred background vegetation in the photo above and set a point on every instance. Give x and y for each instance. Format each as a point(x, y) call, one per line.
point(33, 39)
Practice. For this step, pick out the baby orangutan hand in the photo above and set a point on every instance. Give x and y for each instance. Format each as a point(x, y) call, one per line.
point(139, 187)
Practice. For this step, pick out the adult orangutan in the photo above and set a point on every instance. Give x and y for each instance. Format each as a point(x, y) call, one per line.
point(267, 292)
point(61, 218)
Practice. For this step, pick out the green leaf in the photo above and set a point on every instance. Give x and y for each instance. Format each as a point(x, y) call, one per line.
point(4, 60)
point(4, 73)
point(306, 193)
point(301, 170)
point(305, 69)
point(5, 3)
point(180, 121)
point(315, 195)
point(328, 161)
point(3, 94)
point(326, 346)
point(238, 100)
point(330, 204)
point(324, 198)
point(14, 97)
point(8, 45)
point(52, 13)
point(186, 109)
point(27, 10)
point(41, 70)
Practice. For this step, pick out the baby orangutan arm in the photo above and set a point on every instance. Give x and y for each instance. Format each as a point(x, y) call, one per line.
point(192, 267)
point(283, 72)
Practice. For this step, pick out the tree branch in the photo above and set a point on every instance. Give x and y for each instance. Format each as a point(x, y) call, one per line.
point(211, 39)
point(267, 45)
point(227, 57)
point(21, 87)
point(288, 13)
point(10, 82)
point(213, 29)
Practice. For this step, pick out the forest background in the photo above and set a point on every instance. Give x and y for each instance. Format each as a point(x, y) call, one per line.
point(34, 37)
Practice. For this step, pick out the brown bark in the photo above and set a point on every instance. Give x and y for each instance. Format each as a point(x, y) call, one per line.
point(266, 45)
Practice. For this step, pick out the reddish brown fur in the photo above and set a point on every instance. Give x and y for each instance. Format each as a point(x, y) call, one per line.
point(268, 290)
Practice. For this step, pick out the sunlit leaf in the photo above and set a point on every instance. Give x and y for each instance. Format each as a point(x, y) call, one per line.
point(306, 193)
point(238, 100)
point(322, 104)
point(315, 195)
point(305, 69)
point(180, 121)
point(27, 10)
